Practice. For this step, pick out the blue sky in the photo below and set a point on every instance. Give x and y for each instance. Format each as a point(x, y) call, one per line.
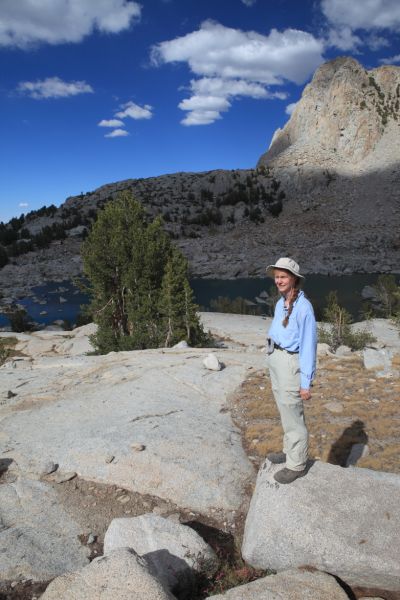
point(95, 91)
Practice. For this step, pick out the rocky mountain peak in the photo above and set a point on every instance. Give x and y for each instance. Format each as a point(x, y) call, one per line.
point(345, 119)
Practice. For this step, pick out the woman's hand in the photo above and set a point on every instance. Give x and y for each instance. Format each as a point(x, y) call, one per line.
point(305, 394)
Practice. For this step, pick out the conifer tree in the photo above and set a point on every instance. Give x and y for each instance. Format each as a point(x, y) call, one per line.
point(179, 319)
point(131, 264)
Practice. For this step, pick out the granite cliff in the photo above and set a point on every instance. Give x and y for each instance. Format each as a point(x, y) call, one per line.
point(326, 192)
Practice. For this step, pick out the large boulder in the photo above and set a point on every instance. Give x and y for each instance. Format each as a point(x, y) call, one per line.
point(343, 521)
point(162, 401)
point(380, 358)
point(122, 575)
point(296, 584)
point(38, 540)
point(174, 551)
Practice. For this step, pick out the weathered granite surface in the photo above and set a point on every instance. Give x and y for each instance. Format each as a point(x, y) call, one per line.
point(342, 521)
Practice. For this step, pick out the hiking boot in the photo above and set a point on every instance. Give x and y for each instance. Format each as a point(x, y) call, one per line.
point(288, 476)
point(277, 458)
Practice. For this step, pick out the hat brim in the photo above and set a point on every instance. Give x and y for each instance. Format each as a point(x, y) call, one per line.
point(271, 268)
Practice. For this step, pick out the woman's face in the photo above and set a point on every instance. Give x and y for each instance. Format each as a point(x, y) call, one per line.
point(284, 281)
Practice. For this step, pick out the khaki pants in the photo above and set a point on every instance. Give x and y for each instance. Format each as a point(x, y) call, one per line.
point(285, 380)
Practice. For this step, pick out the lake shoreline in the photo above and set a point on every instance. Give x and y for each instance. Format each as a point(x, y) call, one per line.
point(60, 300)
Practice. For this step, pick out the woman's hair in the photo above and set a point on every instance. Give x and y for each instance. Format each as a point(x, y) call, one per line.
point(293, 297)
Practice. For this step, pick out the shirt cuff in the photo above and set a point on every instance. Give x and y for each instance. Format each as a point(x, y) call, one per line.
point(305, 382)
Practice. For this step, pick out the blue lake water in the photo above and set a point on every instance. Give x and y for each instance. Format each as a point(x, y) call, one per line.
point(62, 300)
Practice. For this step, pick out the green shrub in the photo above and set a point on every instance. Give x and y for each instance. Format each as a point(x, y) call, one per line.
point(20, 320)
point(388, 294)
point(339, 332)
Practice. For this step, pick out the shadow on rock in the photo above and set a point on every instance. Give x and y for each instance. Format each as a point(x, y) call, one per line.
point(4, 465)
point(223, 543)
point(349, 447)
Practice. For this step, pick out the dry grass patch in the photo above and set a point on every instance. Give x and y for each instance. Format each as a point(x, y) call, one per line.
point(7, 348)
point(349, 405)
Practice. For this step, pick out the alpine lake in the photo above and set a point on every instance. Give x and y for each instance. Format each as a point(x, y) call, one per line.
point(63, 301)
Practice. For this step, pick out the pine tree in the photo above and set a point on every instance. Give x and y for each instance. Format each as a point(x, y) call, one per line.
point(179, 319)
point(138, 282)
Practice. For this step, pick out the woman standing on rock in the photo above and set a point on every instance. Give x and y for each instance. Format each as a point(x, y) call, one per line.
point(291, 347)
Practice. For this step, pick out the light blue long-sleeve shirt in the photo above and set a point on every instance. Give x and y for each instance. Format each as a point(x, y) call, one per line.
point(300, 335)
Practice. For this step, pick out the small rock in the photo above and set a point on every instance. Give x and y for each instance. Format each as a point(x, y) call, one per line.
point(91, 538)
point(62, 477)
point(181, 345)
point(137, 447)
point(48, 467)
point(174, 517)
point(160, 510)
point(14, 584)
point(109, 458)
point(343, 351)
point(323, 350)
point(212, 363)
point(10, 394)
point(335, 407)
point(123, 499)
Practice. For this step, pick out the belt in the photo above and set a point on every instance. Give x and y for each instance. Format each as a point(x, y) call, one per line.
point(277, 347)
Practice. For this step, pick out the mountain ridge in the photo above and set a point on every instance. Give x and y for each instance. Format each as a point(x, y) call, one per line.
point(326, 192)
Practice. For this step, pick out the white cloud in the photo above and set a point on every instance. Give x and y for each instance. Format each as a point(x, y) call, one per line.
point(23, 204)
point(249, 2)
point(376, 42)
point(290, 108)
point(391, 60)
point(201, 117)
point(110, 123)
point(345, 17)
point(116, 133)
point(53, 87)
point(213, 95)
point(231, 63)
point(363, 14)
point(206, 103)
point(134, 111)
point(216, 86)
point(344, 39)
point(29, 22)
point(216, 50)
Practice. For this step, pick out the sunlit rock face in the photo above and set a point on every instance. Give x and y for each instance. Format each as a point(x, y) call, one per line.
point(348, 118)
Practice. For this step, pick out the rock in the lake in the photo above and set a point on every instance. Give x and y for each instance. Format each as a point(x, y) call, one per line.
point(175, 551)
point(212, 363)
point(295, 584)
point(343, 521)
point(122, 575)
point(40, 539)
